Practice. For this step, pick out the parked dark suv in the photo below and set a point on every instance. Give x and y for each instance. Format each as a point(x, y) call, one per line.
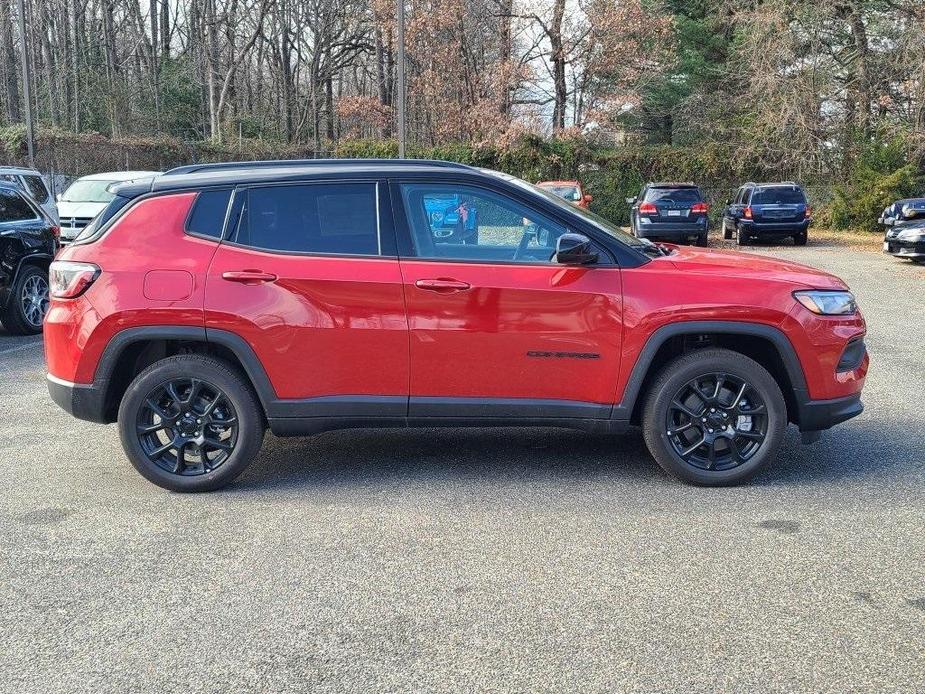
point(214, 301)
point(28, 241)
point(670, 212)
point(767, 211)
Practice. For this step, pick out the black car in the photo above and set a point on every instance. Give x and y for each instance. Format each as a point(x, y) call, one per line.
point(768, 211)
point(905, 229)
point(28, 242)
point(670, 212)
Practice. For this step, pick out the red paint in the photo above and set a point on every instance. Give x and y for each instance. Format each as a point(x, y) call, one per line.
point(327, 326)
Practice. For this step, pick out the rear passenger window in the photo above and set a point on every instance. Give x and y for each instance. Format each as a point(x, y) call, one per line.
point(338, 218)
point(208, 214)
point(14, 208)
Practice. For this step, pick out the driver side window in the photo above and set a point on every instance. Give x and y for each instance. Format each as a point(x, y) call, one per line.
point(459, 222)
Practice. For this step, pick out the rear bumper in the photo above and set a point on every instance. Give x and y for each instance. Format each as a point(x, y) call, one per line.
point(84, 401)
point(672, 230)
point(774, 228)
point(816, 415)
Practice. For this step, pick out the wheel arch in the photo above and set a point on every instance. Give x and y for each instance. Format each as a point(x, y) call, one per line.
point(766, 344)
point(130, 351)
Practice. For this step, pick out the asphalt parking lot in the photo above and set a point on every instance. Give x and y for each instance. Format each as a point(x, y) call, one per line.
point(451, 560)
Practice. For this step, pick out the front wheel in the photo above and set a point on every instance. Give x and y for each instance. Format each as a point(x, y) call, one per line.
point(189, 423)
point(727, 232)
point(714, 417)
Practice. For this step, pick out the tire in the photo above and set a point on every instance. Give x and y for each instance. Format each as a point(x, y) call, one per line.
point(800, 238)
point(19, 316)
point(758, 412)
point(742, 239)
point(727, 232)
point(703, 241)
point(223, 398)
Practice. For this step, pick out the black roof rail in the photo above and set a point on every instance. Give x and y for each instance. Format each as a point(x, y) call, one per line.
point(263, 164)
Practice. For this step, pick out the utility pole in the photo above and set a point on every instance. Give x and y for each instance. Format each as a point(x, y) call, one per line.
point(26, 83)
point(400, 97)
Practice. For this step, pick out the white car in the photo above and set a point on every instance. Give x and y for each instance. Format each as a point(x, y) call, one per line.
point(87, 196)
point(32, 182)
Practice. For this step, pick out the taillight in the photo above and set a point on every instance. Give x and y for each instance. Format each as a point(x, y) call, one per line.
point(747, 213)
point(809, 212)
point(700, 208)
point(648, 208)
point(69, 280)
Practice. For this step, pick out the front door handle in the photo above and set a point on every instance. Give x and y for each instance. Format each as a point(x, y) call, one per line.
point(443, 285)
point(249, 276)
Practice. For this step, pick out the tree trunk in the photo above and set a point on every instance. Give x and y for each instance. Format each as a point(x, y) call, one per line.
point(557, 51)
point(8, 51)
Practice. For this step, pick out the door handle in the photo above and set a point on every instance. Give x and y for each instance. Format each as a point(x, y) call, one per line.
point(249, 276)
point(442, 285)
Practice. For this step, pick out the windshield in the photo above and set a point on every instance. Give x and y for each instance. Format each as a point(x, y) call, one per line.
point(778, 196)
point(599, 222)
point(88, 190)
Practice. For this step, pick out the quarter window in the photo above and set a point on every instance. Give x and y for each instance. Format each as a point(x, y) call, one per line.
point(208, 214)
point(36, 187)
point(338, 218)
point(14, 208)
point(468, 223)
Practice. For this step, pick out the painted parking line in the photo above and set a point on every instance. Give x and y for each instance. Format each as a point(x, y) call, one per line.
point(20, 348)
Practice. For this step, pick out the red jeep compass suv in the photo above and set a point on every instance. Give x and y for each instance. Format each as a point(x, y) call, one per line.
point(213, 301)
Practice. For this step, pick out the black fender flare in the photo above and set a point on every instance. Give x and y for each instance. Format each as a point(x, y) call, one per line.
point(624, 409)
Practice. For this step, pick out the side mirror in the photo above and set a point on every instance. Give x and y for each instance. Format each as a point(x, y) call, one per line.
point(588, 197)
point(574, 249)
point(888, 221)
point(632, 200)
point(728, 202)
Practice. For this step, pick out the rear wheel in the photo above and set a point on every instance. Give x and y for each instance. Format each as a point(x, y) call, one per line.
point(714, 417)
point(28, 302)
point(702, 240)
point(727, 232)
point(189, 423)
point(799, 239)
point(742, 237)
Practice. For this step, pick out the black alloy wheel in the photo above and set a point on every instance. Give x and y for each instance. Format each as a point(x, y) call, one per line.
point(187, 426)
point(191, 423)
point(716, 421)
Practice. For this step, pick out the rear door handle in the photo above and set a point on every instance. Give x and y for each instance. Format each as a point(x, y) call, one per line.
point(249, 276)
point(442, 285)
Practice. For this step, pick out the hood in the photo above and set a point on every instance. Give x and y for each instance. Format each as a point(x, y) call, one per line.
point(79, 209)
point(735, 264)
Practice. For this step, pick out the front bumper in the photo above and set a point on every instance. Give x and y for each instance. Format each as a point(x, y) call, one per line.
point(84, 401)
point(904, 249)
point(817, 415)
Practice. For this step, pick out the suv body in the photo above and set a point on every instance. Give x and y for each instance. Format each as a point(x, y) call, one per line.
point(28, 242)
point(670, 211)
point(905, 229)
point(214, 300)
point(570, 191)
point(768, 211)
point(87, 196)
point(35, 185)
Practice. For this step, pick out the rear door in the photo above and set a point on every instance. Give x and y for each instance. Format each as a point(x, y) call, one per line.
point(498, 328)
point(308, 275)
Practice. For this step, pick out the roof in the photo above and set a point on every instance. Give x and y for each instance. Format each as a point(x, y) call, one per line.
point(234, 173)
point(119, 175)
point(777, 184)
point(673, 184)
point(572, 182)
point(18, 170)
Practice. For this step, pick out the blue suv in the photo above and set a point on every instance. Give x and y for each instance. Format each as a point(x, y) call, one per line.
point(767, 211)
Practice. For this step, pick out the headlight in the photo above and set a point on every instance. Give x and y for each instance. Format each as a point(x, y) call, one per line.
point(827, 303)
point(912, 235)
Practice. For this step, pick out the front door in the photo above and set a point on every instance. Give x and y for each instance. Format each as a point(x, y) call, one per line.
point(308, 276)
point(498, 328)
